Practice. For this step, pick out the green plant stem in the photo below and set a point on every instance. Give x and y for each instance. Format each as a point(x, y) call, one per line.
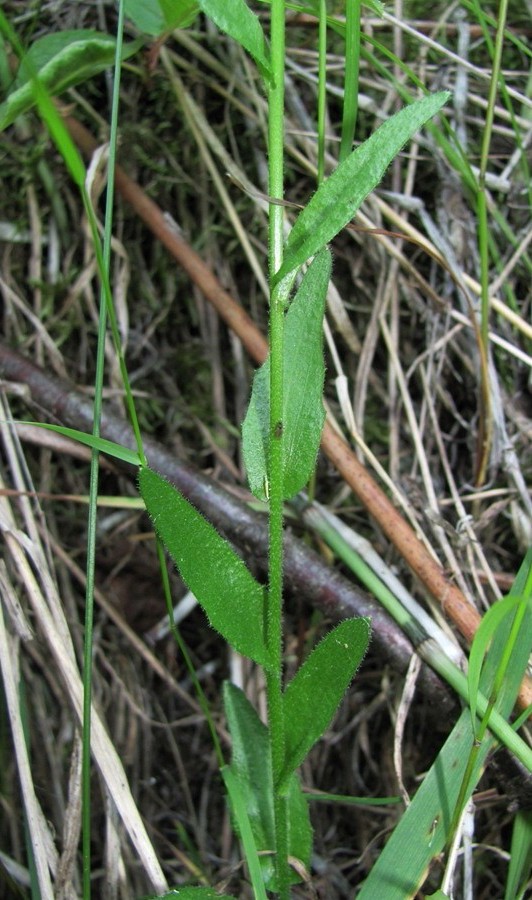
point(94, 470)
point(322, 87)
point(275, 474)
point(352, 59)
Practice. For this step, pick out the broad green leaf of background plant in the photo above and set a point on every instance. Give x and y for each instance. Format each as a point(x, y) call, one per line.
point(231, 598)
point(314, 694)
point(61, 61)
point(304, 373)
point(251, 765)
point(235, 18)
point(159, 16)
point(338, 197)
point(424, 826)
point(487, 629)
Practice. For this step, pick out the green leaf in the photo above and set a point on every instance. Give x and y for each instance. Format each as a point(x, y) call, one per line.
point(233, 601)
point(520, 866)
point(235, 18)
point(304, 372)
point(237, 798)
point(314, 694)
point(95, 443)
point(160, 16)
point(338, 198)
point(251, 765)
point(60, 60)
point(485, 632)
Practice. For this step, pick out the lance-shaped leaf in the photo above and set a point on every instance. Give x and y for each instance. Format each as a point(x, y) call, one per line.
point(314, 694)
point(61, 61)
point(251, 765)
point(235, 18)
point(304, 372)
point(338, 198)
point(233, 601)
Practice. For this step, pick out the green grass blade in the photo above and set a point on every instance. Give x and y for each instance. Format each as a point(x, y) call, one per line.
point(240, 812)
point(424, 828)
point(485, 632)
point(90, 440)
point(520, 867)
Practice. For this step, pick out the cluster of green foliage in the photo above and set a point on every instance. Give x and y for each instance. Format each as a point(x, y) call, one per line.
point(281, 435)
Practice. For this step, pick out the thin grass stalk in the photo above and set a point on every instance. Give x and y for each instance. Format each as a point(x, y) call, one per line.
point(352, 62)
point(486, 423)
point(94, 478)
point(273, 627)
point(322, 87)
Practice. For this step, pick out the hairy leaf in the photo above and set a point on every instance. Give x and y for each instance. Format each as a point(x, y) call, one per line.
point(233, 601)
point(235, 18)
point(338, 198)
point(251, 765)
point(304, 372)
point(314, 694)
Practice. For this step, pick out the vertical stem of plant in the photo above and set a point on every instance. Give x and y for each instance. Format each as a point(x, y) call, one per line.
point(322, 86)
point(275, 474)
point(352, 59)
point(482, 214)
point(93, 488)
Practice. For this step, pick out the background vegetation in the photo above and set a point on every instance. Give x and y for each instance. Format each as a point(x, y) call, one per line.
point(404, 383)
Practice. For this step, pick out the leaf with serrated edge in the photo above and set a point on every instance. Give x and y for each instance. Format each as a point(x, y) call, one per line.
point(338, 197)
point(233, 601)
point(325, 674)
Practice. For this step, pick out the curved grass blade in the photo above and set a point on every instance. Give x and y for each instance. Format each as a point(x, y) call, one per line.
point(485, 632)
point(326, 675)
point(424, 826)
point(338, 198)
point(304, 373)
point(231, 598)
point(95, 443)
